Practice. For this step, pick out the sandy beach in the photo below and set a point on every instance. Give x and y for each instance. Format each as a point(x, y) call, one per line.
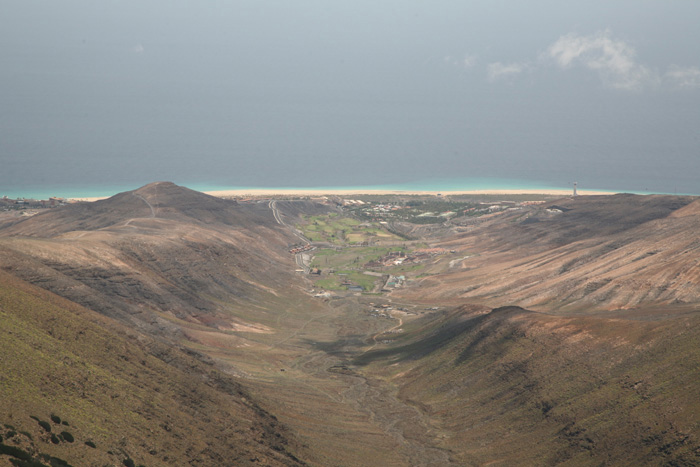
point(315, 192)
point(259, 192)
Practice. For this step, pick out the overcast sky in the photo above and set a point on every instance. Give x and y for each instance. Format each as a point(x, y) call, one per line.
point(345, 93)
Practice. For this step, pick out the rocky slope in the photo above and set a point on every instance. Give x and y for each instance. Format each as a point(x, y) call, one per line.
point(577, 254)
point(139, 275)
point(154, 255)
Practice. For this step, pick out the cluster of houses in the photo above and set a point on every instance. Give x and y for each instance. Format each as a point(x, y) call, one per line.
point(27, 203)
point(352, 202)
point(380, 311)
point(378, 211)
point(396, 258)
point(301, 249)
point(393, 282)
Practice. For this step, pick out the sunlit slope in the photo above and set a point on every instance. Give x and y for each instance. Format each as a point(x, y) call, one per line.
point(577, 254)
point(182, 255)
point(121, 391)
point(520, 387)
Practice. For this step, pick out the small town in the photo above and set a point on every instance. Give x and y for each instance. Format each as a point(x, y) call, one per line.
point(8, 204)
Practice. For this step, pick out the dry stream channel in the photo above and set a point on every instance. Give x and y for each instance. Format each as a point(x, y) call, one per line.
point(407, 425)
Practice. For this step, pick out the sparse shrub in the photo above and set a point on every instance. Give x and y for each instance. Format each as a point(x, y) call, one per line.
point(91, 444)
point(54, 439)
point(67, 436)
point(45, 425)
point(10, 434)
point(56, 462)
point(15, 452)
point(65, 423)
point(129, 462)
point(56, 419)
point(27, 463)
point(1, 440)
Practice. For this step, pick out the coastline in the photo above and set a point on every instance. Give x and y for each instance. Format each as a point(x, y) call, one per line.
point(258, 192)
point(300, 192)
point(91, 193)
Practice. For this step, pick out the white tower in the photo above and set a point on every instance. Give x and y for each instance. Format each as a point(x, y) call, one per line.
point(575, 187)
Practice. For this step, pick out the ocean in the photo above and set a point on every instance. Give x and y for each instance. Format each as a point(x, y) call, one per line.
point(434, 185)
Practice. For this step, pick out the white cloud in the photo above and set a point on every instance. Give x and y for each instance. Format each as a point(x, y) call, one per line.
point(498, 70)
point(469, 61)
point(139, 49)
point(683, 77)
point(612, 59)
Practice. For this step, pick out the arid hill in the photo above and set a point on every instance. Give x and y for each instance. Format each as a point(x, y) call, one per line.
point(581, 254)
point(80, 389)
point(159, 200)
point(170, 265)
point(168, 327)
point(515, 387)
point(157, 252)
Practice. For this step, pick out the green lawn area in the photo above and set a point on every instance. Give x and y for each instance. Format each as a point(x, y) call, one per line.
point(334, 281)
point(339, 230)
point(363, 280)
point(348, 257)
point(329, 283)
point(347, 261)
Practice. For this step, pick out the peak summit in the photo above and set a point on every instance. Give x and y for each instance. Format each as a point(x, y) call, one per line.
point(164, 200)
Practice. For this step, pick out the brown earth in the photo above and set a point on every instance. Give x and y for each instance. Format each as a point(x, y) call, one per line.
point(588, 356)
point(579, 254)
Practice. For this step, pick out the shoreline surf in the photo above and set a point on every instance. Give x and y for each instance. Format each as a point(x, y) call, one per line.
point(434, 187)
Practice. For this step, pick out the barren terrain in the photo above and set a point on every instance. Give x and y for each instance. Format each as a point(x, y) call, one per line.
point(548, 333)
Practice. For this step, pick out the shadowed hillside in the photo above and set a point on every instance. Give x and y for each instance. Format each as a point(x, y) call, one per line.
point(516, 387)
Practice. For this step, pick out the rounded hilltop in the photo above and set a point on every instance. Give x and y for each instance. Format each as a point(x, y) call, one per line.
point(161, 200)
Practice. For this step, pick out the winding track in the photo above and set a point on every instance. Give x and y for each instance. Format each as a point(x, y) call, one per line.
point(299, 257)
point(153, 210)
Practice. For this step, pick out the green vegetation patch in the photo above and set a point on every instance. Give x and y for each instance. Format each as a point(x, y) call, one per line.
point(339, 230)
point(350, 258)
point(330, 283)
point(358, 278)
